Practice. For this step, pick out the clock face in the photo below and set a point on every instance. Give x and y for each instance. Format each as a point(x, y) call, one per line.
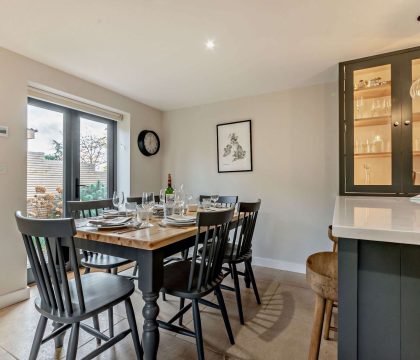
point(151, 143)
point(148, 142)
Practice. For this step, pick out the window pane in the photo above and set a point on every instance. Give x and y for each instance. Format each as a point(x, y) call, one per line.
point(372, 126)
point(93, 160)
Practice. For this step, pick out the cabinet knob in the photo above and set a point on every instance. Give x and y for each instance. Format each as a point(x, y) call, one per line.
point(407, 122)
point(396, 123)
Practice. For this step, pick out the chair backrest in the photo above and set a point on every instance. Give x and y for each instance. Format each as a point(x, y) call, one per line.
point(242, 238)
point(42, 237)
point(139, 200)
point(213, 227)
point(225, 201)
point(86, 209)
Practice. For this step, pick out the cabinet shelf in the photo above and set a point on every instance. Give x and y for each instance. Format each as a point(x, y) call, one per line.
point(373, 155)
point(374, 92)
point(373, 121)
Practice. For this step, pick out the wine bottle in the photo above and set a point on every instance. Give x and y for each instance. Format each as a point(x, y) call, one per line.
point(169, 190)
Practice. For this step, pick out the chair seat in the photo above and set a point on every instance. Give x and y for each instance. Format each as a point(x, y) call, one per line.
point(101, 290)
point(227, 258)
point(175, 280)
point(102, 261)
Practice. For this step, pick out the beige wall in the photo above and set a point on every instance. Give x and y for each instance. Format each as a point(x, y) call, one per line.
point(16, 72)
point(295, 159)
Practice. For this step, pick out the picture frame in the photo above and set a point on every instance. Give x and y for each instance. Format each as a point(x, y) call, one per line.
point(234, 146)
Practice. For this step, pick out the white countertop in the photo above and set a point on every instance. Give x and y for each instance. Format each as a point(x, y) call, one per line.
point(390, 219)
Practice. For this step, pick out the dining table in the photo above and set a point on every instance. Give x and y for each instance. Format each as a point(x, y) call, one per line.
point(148, 247)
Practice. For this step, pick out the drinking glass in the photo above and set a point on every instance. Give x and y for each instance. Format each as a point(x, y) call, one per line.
point(214, 199)
point(118, 199)
point(179, 201)
point(148, 201)
point(162, 194)
point(169, 205)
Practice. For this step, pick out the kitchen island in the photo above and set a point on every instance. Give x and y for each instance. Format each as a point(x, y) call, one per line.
point(379, 277)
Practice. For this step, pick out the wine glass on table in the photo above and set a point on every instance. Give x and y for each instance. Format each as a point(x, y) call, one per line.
point(118, 199)
point(213, 199)
point(148, 201)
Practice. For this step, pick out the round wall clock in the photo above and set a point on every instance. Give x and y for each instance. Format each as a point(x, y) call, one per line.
point(148, 142)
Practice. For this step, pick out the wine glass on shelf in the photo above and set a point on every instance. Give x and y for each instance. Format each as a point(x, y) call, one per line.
point(118, 199)
point(367, 169)
point(375, 107)
point(359, 107)
point(148, 201)
point(213, 199)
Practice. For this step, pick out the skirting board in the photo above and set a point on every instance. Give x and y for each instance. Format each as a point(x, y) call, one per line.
point(279, 264)
point(14, 297)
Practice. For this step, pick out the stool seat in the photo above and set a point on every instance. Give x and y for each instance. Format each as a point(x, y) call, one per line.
point(321, 274)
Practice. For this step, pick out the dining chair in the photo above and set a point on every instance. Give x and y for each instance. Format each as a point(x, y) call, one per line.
point(139, 200)
point(69, 302)
point(224, 201)
point(195, 278)
point(240, 251)
point(93, 260)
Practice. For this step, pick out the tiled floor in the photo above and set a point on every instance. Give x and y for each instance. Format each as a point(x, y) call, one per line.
point(278, 329)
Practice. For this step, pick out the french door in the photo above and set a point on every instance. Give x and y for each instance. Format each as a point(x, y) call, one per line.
point(71, 156)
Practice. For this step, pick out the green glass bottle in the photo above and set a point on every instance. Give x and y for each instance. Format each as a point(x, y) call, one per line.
point(169, 190)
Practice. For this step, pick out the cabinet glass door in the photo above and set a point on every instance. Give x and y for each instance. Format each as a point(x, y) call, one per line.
point(372, 126)
point(415, 74)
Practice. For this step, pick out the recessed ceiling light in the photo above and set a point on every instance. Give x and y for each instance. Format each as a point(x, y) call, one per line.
point(210, 44)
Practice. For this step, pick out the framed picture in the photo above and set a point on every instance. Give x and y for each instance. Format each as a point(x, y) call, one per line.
point(234, 146)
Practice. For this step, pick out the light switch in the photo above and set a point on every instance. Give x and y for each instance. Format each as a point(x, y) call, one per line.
point(3, 169)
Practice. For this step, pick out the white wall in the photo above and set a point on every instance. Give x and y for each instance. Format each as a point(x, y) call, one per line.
point(295, 160)
point(16, 72)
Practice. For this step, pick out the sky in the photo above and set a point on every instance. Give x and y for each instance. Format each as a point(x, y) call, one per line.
point(50, 127)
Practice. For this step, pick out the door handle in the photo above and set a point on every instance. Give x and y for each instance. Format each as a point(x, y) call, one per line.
point(77, 188)
point(407, 122)
point(396, 123)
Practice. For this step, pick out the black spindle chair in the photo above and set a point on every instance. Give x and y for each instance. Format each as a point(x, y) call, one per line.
point(87, 209)
point(69, 302)
point(193, 279)
point(139, 200)
point(224, 201)
point(240, 251)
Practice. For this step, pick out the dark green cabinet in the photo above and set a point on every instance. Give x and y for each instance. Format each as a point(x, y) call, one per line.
point(380, 125)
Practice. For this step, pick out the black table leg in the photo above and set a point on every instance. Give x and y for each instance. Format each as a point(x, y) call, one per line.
point(150, 283)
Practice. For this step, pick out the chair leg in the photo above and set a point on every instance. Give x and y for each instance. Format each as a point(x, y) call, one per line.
point(225, 315)
point(247, 279)
point(95, 319)
point(135, 269)
point(164, 296)
point(115, 271)
point(328, 316)
point(40, 329)
point(181, 306)
point(317, 328)
point(74, 340)
point(111, 321)
point(231, 271)
point(238, 293)
point(254, 284)
point(133, 326)
point(197, 329)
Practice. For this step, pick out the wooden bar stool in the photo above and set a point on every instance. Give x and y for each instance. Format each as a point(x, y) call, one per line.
point(321, 274)
point(330, 304)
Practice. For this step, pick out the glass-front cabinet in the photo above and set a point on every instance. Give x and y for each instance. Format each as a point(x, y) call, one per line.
point(380, 124)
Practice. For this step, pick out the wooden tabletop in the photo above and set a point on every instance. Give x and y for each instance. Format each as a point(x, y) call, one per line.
point(150, 238)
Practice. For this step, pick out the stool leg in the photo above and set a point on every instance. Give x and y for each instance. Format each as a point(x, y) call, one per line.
point(328, 315)
point(317, 328)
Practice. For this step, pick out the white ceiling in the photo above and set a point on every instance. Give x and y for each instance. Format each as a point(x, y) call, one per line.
point(154, 50)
